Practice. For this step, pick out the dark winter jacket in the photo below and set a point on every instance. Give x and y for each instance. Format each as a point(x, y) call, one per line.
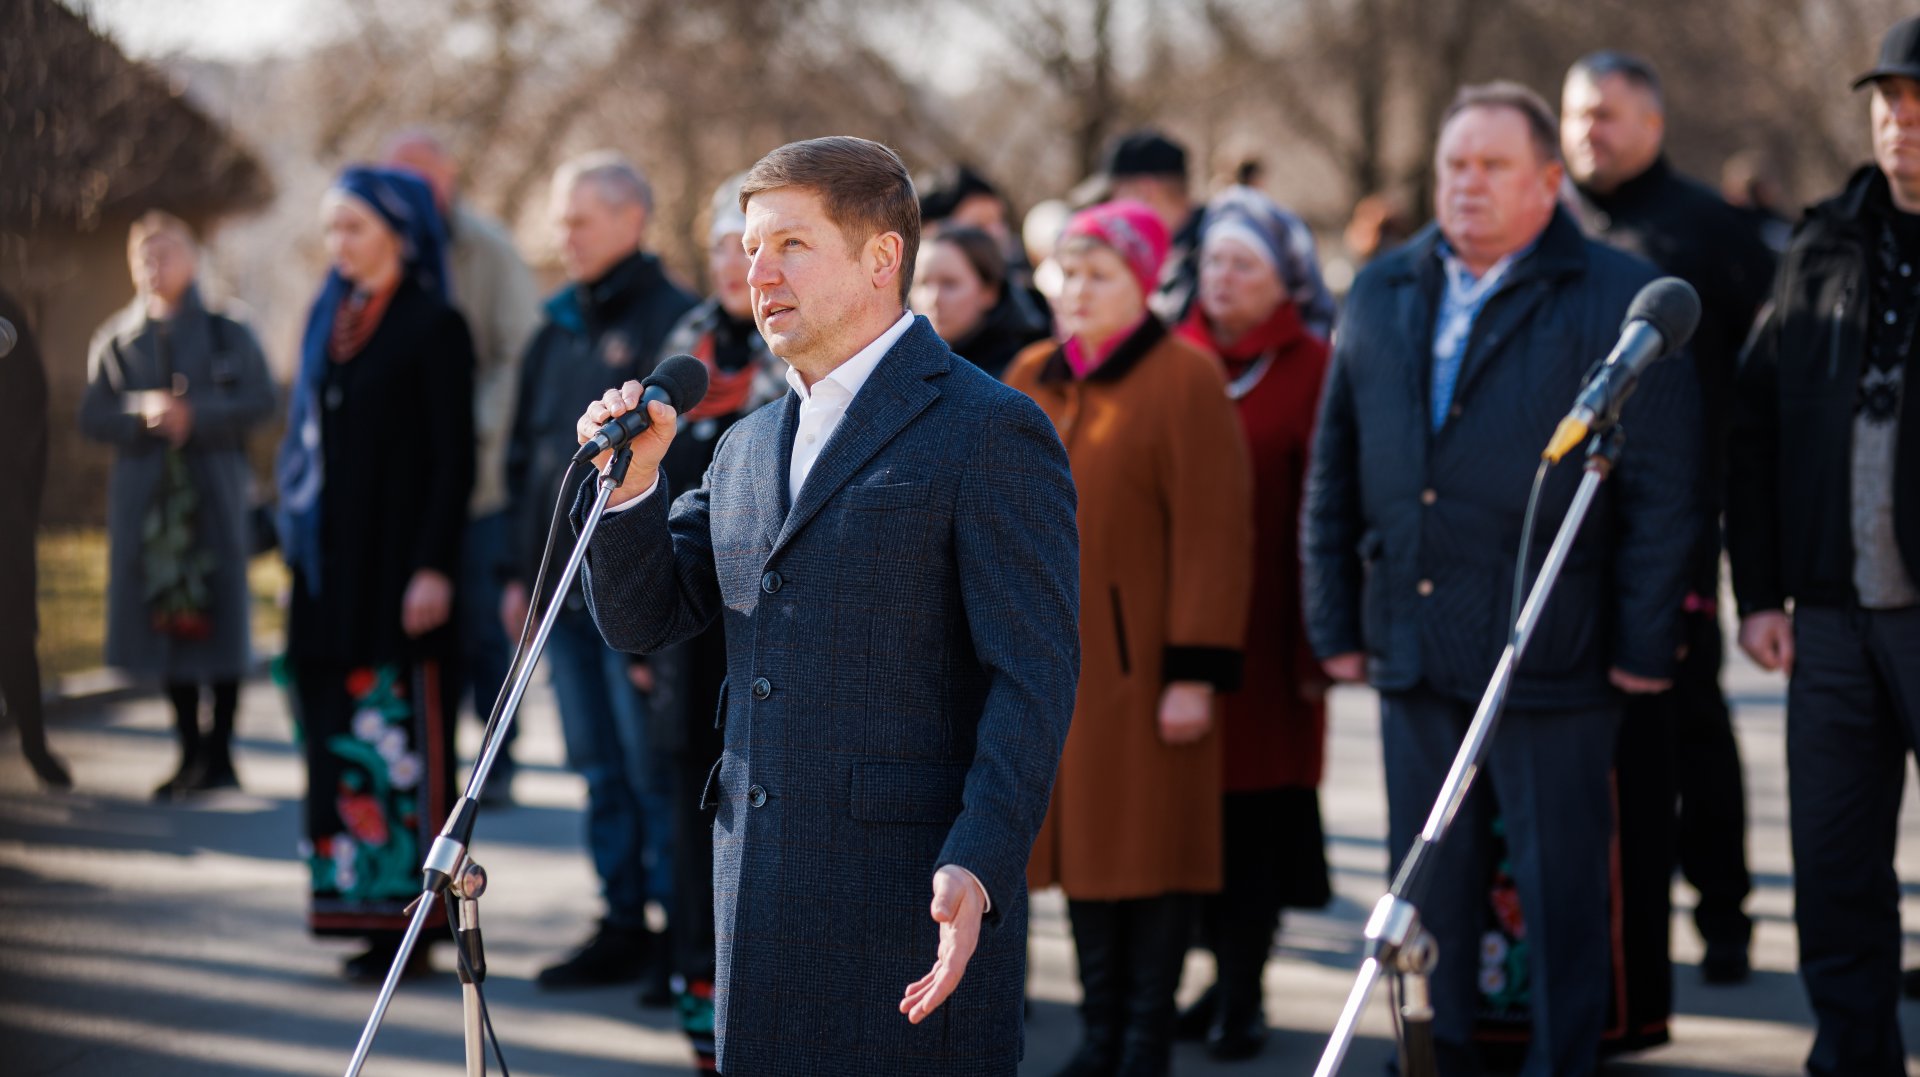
point(1411, 535)
point(1687, 230)
point(595, 337)
point(1790, 485)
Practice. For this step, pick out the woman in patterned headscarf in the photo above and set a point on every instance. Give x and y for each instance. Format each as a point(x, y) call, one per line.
point(374, 476)
point(1166, 555)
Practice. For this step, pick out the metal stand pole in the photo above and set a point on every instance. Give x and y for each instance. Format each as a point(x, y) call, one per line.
point(1394, 928)
point(473, 966)
point(449, 850)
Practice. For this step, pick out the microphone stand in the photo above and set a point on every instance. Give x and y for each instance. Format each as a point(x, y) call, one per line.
point(449, 864)
point(1397, 942)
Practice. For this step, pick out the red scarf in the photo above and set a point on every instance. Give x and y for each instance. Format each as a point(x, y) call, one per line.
point(353, 324)
point(1279, 332)
point(727, 391)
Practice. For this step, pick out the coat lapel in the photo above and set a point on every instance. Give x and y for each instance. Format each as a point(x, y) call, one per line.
point(894, 394)
point(1561, 250)
point(770, 476)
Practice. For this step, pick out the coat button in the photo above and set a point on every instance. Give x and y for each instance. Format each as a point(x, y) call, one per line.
point(1428, 497)
point(762, 688)
point(1454, 412)
point(770, 582)
point(1425, 587)
point(756, 796)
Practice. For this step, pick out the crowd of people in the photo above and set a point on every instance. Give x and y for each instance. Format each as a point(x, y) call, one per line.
point(1208, 493)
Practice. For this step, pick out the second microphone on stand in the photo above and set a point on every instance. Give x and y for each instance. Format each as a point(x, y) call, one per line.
point(1660, 321)
point(680, 381)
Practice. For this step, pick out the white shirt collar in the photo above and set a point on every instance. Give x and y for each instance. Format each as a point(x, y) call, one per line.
point(852, 374)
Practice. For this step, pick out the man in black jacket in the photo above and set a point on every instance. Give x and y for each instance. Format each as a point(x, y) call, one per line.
point(1457, 355)
point(1824, 511)
point(1680, 742)
point(603, 329)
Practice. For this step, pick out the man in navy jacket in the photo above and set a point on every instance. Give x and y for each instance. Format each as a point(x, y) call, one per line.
point(1457, 355)
point(893, 552)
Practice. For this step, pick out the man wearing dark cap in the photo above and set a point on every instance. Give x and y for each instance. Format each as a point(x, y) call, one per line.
point(1823, 511)
point(1149, 167)
point(1679, 742)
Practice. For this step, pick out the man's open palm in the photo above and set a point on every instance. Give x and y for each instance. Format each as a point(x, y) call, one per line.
point(957, 907)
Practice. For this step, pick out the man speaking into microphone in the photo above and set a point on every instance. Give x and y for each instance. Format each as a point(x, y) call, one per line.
point(893, 553)
point(1457, 356)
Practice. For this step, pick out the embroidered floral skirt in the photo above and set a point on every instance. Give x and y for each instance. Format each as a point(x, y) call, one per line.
point(380, 770)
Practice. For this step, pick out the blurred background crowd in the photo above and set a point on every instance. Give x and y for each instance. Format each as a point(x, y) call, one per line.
point(521, 204)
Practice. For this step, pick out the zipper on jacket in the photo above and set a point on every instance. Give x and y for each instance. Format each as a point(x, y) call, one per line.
point(1120, 631)
point(1839, 322)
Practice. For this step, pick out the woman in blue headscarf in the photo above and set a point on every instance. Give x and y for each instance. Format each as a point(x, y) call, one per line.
point(374, 476)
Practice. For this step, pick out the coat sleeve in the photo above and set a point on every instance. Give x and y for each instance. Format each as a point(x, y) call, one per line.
point(1017, 548)
point(448, 413)
point(1753, 472)
point(649, 575)
point(248, 401)
point(103, 415)
point(1207, 484)
point(1657, 488)
point(1330, 521)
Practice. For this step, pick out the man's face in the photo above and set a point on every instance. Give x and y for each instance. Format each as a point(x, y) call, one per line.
point(163, 266)
point(813, 291)
point(1610, 129)
point(594, 234)
point(1896, 131)
point(1493, 193)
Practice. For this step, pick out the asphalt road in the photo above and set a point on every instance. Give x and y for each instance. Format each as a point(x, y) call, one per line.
point(159, 940)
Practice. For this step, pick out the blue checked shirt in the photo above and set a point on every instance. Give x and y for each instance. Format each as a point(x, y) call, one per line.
point(1460, 304)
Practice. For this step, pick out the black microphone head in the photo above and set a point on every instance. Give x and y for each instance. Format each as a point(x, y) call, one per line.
point(1672, 307)
point(683, 378)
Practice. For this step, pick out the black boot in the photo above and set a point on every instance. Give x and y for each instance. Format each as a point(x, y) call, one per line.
point(1097, 948)
point(1197, 1020)
point(1245, 940)
point(1157, 932)
point(214, 768)
point(186, 728)
point(48, 768)
point(614, 955)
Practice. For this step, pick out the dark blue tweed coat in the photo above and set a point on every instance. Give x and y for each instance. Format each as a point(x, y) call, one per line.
point(1411, 535)
point(902, 655)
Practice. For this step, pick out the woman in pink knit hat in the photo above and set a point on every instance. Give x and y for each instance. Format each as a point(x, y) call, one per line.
point(1166, 557)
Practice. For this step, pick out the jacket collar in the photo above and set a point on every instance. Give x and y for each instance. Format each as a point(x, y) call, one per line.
point(1850, 211)
point(1559, 250)
point(1124, 358)
point(1648, 184)
point(591, 306)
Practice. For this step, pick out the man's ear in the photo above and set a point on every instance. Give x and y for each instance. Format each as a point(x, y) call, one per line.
point(886, 256)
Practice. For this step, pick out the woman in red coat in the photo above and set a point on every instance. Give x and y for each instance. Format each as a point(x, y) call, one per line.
point(1275, 725)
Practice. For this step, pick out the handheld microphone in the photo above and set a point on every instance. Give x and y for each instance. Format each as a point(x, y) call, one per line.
point(680, 381)
point(1660, 321)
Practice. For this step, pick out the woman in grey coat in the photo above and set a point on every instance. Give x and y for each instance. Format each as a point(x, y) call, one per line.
point(175, 388)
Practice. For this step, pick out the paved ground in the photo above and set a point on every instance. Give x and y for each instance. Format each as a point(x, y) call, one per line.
point(147, 940)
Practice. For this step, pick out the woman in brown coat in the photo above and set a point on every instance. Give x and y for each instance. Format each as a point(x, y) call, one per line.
point(1165, 517)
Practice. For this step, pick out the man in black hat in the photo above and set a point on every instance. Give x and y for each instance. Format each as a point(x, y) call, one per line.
point(1679, 742)
point(1148, 167)
point(1824, 511)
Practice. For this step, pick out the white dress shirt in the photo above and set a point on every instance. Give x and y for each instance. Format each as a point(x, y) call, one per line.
point(821, 408)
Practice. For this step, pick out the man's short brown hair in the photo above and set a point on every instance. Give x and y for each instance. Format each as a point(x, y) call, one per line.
point(1542, 128)
point(866, 189)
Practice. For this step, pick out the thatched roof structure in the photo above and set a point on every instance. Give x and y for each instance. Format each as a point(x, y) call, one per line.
point(87, 134)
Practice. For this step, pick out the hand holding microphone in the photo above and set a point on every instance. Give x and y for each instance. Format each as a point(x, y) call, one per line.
point(642, 415)
point(1659, 322)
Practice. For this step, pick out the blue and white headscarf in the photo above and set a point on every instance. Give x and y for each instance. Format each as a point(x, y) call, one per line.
point(404, 203)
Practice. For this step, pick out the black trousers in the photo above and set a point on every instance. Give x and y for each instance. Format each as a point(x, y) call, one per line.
point(1853, 715)
point(1678, 759)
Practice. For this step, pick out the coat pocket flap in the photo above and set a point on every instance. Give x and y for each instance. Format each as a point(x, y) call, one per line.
point(907, 791)
point(710, 789)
